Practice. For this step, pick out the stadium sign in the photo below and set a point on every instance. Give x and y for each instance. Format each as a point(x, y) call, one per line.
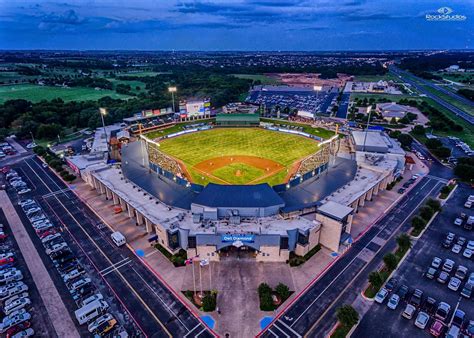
point(238, 237)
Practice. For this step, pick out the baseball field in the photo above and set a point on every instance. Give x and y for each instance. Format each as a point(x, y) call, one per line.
point(239, 155)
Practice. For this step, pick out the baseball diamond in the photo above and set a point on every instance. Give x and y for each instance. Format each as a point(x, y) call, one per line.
point(235, 155)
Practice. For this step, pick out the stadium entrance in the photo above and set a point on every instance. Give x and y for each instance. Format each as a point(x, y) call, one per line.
point(234, 252)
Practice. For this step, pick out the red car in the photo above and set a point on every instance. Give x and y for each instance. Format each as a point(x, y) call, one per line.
point(18, 328)
point(3, 235)
point(5, 170)
point(8, 260)
point(436, 328)
point(45, 233)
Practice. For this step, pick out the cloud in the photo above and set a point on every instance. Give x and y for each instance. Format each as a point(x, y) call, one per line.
point(66, 20)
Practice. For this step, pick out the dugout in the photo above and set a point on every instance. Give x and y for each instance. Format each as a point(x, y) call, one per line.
point(238, 120)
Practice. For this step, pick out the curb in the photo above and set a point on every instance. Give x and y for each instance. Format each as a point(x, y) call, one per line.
point(445, 200)
point(426, 227)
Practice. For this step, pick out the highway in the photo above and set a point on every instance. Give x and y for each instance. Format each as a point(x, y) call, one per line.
point(408, 78)
point(314, 313)
point(154, 307)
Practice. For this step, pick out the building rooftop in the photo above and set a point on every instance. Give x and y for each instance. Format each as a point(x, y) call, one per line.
point(375, 141)
point(335, 210)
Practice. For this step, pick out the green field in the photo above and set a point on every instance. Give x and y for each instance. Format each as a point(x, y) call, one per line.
point(195, 148)
point(132, 83)
point(375, 78)
point(264, 79)
point(140, 74)
point(36, 93)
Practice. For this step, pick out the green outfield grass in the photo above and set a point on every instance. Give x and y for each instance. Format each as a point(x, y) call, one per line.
point(35, 93)
point(195, 148)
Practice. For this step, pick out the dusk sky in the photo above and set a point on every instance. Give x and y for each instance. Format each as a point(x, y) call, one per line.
point(233, 25)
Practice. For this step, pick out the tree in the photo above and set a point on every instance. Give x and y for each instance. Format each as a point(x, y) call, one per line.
point(209, 302)
point(426, 212)
point(347, 316)
point(283, 291)
point(434, 204)
point(390, 261)
point(264, 288)
point(418, 223)
point(375, 279)
point(404, 241)
point(393, 120)
point(419, 130)
point(433, 143)
point(405, 140)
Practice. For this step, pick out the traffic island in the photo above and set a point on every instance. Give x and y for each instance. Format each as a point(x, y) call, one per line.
point(271, 299)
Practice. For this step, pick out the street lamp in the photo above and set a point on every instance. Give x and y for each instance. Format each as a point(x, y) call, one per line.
point(172, 90)
point(103, 112)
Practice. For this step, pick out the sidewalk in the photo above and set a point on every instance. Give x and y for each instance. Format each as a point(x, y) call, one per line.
point(61, 320)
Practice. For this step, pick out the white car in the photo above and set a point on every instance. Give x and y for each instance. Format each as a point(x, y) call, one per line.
point(468, 204)
point(422, 320)
point(24, 191)
point(9, 322)
point(99, 321)
point(448, 265)
point(16, 305)
point(470, 245)
point(29, 332)
point(11, 276)
point(393, 301)
point(28, 201)
point(456, 248)
point(71, 275)
point(15, 297)
point(6, 255)
point(12, 289)
point(56, 247)
point(454, 284)
point(50, 238)
point(436, 263)
point(32, 210)
point(467, 253)
point(458, 221)
point(381, 295)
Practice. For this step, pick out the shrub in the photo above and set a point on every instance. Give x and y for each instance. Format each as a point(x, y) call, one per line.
point(283, 291)
point(264, 288)
point(390, 261)
point(347, 315)
point(445, 190)
point(209, 302)
point(426, 213)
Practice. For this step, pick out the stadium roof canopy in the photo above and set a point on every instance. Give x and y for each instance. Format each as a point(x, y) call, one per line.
point(238, 196)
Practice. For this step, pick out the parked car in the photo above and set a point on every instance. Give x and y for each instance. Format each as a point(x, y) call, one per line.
point(430, 305)
point(422, 320)
point(470, 245)
point(437, 328)
point(12, 289)
point(92, 327)
point(442, 312)
point(17, 305)
point(409, 311)
point(9, 322)
point(454, 284)
point(391, 284)
point(436, 263)
point(15, 297)
point(456, 248)
point(467, 253)
point(24, 191)
point(467, 290)
point(381, 295)
point(448, 265)
point(393, 301)
point(416, 297)
point(431, 273)
point(458, 318)
point(25, 333)
point(11, 276)
point(18, 328)
point(461, 272)
point(402, 291)
point(458, 221)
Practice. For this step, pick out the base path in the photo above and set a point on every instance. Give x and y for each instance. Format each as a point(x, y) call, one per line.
point(61, 320)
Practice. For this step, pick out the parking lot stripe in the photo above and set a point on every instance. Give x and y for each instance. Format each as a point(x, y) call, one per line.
point(289, 328)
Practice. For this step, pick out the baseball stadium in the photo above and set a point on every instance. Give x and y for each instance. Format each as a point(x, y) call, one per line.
point(270, 190)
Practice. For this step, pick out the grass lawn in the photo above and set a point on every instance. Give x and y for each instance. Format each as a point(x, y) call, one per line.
point(279, 147)
point(321, 132)
point(465, 107)
point(391, 97)
point(132, 83)
point(264, 79)
point(35, 93)
point(240, 172)
point(140, 74)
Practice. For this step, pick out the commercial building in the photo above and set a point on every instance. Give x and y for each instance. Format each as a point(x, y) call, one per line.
point(394, 110)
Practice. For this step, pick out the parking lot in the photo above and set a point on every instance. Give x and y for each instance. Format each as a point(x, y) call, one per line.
point(412, 273)
point(39, 322)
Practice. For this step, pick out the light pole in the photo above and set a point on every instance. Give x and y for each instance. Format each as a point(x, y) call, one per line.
point(172, 90)
point(32, 138)
point(103, 112)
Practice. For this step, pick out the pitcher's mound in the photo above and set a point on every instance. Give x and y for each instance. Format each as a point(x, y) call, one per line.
point(238, 173)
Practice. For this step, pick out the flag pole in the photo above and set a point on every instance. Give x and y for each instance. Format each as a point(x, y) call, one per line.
point(210, 276)
point(194, 279)
point(200, 278)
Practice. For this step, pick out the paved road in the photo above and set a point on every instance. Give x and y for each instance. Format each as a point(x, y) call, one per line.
point(313, 314)
point(408, 78)
point(156, 310)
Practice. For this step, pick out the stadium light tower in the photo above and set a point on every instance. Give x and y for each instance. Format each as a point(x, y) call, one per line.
point(172, 90)
point(103, 112)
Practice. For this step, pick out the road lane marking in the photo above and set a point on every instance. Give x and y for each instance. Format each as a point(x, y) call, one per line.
point(105, 256)
point(289, 328)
